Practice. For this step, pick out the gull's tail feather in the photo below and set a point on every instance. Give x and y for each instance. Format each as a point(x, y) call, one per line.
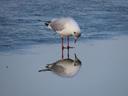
point(47, 23)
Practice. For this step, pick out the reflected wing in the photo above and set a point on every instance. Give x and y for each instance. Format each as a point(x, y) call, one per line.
point(44, 70)
point(57, 68)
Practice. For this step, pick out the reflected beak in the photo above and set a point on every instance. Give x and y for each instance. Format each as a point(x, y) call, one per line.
point(75, 56)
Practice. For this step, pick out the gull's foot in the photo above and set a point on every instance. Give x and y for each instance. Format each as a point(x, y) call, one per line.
point(68, 47)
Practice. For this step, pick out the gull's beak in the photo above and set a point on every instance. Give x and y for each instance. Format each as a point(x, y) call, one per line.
point(76, 37)
point(75, 40)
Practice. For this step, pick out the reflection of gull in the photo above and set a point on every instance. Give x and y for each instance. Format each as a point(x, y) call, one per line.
point(65, 27)
point(64, 67)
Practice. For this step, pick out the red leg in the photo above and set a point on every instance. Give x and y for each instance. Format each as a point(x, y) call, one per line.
point(68, 46)
point(62, 46)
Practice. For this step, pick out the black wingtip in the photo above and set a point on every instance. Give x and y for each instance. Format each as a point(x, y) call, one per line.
point(40, 70)
point(44, 70)
point(47, 23)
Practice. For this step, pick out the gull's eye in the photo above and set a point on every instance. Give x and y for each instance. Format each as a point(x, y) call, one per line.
point(74, 32)
point(75, 64)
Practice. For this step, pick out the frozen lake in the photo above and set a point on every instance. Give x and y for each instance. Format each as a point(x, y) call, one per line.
point(103, 72)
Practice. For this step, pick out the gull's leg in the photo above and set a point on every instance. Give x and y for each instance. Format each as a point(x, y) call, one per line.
point(62, 47)
point(68, 46)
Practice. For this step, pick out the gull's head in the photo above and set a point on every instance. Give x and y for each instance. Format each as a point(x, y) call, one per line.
point(76, 36)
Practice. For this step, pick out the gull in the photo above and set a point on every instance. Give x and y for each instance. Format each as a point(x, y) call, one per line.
point(65, 26)
point(64, 67)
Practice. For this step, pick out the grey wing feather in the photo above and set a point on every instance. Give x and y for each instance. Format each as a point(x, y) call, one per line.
point(58, 69)
point(57, 26)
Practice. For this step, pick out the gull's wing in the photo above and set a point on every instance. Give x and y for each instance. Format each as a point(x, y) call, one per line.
point(57, 25)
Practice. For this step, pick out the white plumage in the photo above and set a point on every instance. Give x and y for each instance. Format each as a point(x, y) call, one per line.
point(65, 26)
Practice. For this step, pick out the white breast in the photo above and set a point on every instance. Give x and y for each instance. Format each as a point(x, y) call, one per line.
point(72, 71)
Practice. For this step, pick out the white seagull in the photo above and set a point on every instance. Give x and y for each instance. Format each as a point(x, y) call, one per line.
point(65, 26)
